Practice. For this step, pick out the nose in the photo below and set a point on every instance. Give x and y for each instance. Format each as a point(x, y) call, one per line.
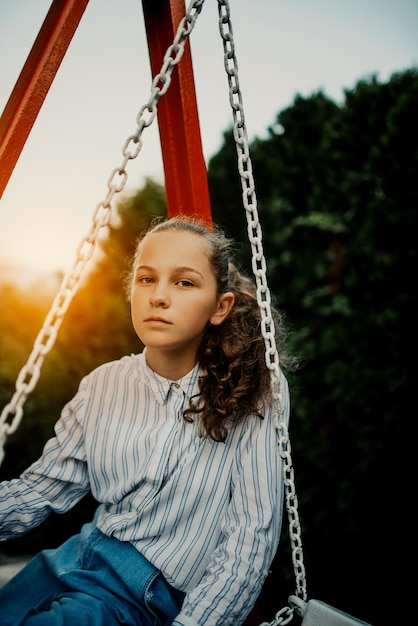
point(159, 296)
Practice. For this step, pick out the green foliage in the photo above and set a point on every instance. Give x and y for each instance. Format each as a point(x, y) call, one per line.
point(337, 198)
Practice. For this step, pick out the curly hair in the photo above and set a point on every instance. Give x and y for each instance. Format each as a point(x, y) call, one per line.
point(235, 381)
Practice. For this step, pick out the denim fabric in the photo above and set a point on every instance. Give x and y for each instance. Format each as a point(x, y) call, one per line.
point(90, 580)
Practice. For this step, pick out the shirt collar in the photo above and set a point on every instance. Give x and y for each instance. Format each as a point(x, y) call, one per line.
point(160, 386)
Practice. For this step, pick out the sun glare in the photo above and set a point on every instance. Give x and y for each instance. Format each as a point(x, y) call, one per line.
point(40, 246)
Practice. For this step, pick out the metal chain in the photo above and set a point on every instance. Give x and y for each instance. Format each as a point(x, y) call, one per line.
point(30, 372)
point(285, 615)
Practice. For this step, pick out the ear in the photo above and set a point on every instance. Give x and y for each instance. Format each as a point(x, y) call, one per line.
point(225, 304)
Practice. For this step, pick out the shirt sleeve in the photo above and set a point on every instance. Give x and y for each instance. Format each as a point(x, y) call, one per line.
point(250, 533)
point(56, 482)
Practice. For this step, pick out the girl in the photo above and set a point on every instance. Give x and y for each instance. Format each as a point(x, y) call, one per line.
point(177, 445)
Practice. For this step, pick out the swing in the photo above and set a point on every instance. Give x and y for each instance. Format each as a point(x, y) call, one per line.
point(313, 612)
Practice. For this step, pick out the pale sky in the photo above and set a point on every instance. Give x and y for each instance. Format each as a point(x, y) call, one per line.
point(284, 48)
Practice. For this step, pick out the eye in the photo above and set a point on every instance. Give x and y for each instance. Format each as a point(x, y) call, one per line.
point(184, 282)
point(144, 280)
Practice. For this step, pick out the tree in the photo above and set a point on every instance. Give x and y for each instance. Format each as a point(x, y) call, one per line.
point(337, 200)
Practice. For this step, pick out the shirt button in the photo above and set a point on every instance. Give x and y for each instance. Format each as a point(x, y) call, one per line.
point(176, 385)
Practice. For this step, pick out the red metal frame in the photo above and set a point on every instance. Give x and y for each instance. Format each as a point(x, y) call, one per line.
point(178, 121)
point(35, 80)
point(184, 165)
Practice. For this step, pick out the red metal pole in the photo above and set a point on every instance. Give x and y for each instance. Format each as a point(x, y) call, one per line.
point(185, 170)
point(35, 80)
point(178, 121)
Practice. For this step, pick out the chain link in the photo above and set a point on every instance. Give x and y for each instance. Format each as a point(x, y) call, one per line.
point(284, 616)
point(263, 297)
point(29, 374)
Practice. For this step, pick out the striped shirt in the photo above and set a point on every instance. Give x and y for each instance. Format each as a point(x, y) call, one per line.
point(207, 514)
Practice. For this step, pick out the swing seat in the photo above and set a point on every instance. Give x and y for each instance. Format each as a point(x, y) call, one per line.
point(317, 613)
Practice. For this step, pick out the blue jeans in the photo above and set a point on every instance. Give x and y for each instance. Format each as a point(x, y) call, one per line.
point(90, 580)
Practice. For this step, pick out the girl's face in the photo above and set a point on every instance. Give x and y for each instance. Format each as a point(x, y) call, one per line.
point(173, 297)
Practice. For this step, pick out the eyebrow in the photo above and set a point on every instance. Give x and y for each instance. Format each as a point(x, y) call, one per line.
point(178, 270)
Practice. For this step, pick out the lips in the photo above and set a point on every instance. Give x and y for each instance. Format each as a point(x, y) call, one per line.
point(157, 319)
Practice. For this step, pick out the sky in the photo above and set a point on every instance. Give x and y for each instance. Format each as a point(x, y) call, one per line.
point(284, 48)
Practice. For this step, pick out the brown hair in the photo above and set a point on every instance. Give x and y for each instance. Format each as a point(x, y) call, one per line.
point(235, 381)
